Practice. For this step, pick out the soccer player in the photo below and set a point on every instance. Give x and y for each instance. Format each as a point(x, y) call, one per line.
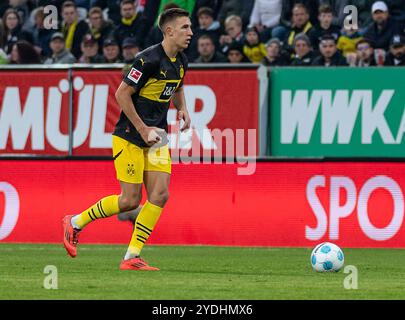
point(140, 152)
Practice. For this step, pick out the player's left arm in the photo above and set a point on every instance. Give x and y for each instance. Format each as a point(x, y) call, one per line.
point(179, 101)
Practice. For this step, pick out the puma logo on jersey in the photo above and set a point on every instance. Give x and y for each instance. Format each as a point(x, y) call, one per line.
point(163, 73)
point(142, 61)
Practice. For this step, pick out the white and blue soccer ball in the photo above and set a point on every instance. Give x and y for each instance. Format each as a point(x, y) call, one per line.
point(327, 257)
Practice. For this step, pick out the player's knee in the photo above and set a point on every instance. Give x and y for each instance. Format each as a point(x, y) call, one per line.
point(129, 203)
point(165, 197)
point(159, 198)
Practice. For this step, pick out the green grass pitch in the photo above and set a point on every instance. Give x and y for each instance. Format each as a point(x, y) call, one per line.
point(196, 272)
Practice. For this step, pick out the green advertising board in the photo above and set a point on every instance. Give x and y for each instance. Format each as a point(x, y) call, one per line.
point(337, 112)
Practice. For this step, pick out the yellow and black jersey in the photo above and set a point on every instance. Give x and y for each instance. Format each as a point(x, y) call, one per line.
point(155, 77)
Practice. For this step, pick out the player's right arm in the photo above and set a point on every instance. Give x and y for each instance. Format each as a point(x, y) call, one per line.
point(123, 96)
point(139, 73)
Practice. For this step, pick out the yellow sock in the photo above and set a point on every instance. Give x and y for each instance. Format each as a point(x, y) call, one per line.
point(144, 224)
point(106, 207)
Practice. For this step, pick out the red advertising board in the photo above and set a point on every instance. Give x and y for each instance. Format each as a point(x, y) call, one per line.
point(95, 111)
point(34, 114)
point(281, 204)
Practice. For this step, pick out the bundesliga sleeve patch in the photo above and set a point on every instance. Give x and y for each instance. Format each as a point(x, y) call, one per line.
point(134, 75)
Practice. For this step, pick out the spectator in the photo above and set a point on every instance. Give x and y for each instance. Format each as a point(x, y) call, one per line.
point(59, 52)
point(235, 53)
point(130, 49)
point(324, 26)
point(24, 52)
point(111, 51)
point(99, 27)
point(330, 56)
point(213, 4)
point(288, 8)
point(72, 28)
point(12, 30)
point(253, 48)
point(304, 55)
point(207, 51)
point(23, 11)
point(234, 32)
point(274, 55)
point(265, 16)
point(41, 35)
point(383, 28)
point(300, 24)
point(112, 7)
point(396, 55)
point(348, 40)
point(90, 50)
point(364, 53)
point(337, 7)
point(206, 25)
point(132, 25)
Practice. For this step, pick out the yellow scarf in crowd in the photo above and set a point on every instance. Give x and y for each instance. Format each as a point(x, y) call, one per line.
point(96, 33)
point(70, 33)
point(128, 22)
point(292, 34)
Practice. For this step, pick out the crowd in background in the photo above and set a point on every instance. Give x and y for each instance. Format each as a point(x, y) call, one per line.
point(271, 32)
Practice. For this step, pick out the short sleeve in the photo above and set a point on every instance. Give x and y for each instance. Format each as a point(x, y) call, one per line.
point(139, 73)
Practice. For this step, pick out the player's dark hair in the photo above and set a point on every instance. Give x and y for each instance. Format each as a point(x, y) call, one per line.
point(170, 15)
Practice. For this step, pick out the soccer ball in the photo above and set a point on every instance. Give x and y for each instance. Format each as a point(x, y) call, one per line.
point(327, 257)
